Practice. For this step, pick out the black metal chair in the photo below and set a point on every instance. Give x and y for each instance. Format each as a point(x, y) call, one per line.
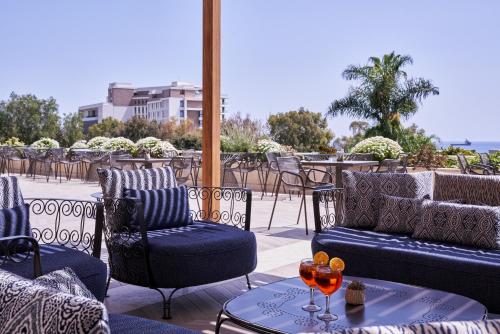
point(65, 233)
point(485, 160)
point(294, 179)
point(183, 169)
point(12, 156)
point(388, 166)
point(216, 247)
point(477, 169)
point(271, 168)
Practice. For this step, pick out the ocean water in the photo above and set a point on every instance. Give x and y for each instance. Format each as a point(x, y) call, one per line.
point(478, 146)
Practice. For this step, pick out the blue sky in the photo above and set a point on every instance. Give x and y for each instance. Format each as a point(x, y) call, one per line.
point(277, 55)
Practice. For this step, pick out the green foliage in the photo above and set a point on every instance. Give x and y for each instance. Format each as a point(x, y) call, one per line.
point(109, 127)
point(13, 142)
point(29, 118)
point(71, 130)
point(97, 143)
point(240, 134)
point(381, 148)
point(80, 144)
point(45, 143)
point(156, 147)
point(412, 139)
point(137, 128)
point(384, 94)
point(427, 156)
point(303, 130)
point(181, 134)
point(453, 150)
point(120, 144)
point(188, 141)
point(495, 158)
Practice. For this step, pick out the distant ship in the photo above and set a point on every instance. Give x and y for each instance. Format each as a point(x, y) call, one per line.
point(466, 143)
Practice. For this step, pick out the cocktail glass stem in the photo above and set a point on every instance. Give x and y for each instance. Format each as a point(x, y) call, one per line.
point(312, 307)
point(327, 316)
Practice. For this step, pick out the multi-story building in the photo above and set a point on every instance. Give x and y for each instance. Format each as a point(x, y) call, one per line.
point(180, 99)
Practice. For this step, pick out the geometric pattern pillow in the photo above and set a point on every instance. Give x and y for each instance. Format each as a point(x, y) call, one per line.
point(363, 193)
point(114, 181)
point(472, 189)
point(65, 280)
point(447, 327)
point(10, 193)
point(163, 208)
point(399, 214)
point(469, 225)
point(28, 307)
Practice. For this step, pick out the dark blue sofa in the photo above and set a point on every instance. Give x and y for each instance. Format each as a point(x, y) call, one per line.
point(468, 271)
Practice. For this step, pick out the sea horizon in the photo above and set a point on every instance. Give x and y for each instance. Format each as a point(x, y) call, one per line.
point(479, 146)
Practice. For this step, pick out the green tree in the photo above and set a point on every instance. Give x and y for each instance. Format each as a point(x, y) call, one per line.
point(302, 129)
point(108, 127)
point(137, 128)
point(29, 118)
point(384, 94)
point(71, 130)
point(240, 134)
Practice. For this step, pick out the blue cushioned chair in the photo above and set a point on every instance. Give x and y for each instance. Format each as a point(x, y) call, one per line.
point(468, 271)
point(65, 233)
point(217, 246)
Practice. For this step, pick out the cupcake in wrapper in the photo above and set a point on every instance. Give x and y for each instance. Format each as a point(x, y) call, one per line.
point(355, 293)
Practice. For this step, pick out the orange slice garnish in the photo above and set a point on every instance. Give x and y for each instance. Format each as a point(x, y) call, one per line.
point(321, 258)
point(337, 264)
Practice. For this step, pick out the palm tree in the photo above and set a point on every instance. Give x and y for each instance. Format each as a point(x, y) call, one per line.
point(384, 95)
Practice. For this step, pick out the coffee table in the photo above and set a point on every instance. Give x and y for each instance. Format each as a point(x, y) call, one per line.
point(276, 307)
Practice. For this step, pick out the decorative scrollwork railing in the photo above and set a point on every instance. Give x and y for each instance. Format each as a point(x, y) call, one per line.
point(328, 208)
point(71, 223)
point(234, 205)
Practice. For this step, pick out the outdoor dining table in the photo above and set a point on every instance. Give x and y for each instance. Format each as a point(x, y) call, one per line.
point(340, 166)
point(148, 163)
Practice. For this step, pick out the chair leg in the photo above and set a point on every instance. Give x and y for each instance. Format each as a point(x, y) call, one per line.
point(107, 286)
point(274, 206)
point(300, 210)
point(265, 185)
point(248, 282)
point(305, 210)
point(167, 303)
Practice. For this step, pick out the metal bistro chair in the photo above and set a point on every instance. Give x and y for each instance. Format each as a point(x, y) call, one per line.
point(183, 169)
point(250, 162)
point(388, 166)
point(11, 155)
point(403, 164)
point(67, 162)
point(272, 168)
point(485, 160)
point(478, 169)
point(361, 157)
point(229, 165)
point(91, 159)
point(41, 160)
point(294, 178)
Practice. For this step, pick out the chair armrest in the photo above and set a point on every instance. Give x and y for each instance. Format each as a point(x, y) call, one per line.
point(284, 173)
point(228, 205)
point(314, 170)
point(327, 208)
point(8, 251)
point(70, 226)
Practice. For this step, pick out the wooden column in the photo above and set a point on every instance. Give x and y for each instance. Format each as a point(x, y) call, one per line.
point(211, 99)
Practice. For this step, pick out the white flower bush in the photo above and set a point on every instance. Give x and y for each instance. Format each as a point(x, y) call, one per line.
point(155, 146)
point(97, 143)
point(80, 144)
point(13, 142)
point(45, 143)
point(120, 144)
point(267, 145)
point(381, 148)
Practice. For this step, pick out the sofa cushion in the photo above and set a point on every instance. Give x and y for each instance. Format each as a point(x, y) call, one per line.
point(90, 270)
point(163, 208)
point(65, 280)
point(363, 192)
point(28, 307)
point(399, 214)
point(10, 196)
point(113, 181)
point(200, 253)
point(126, 324)
point(15, 221)
point(473, 189)
point(469, 225)
point(460, 269)
point(445, 327)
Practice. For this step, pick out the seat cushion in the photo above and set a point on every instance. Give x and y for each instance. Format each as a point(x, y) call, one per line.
point(363, 192)
point(126, 324)
point(90, 270)
point(200, 253)
point(460, 269)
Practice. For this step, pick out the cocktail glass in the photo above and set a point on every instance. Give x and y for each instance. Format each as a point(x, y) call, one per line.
point(328, 281)
point(306, 270)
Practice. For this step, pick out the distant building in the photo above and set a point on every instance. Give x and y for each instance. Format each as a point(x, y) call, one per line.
point(181, 100)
